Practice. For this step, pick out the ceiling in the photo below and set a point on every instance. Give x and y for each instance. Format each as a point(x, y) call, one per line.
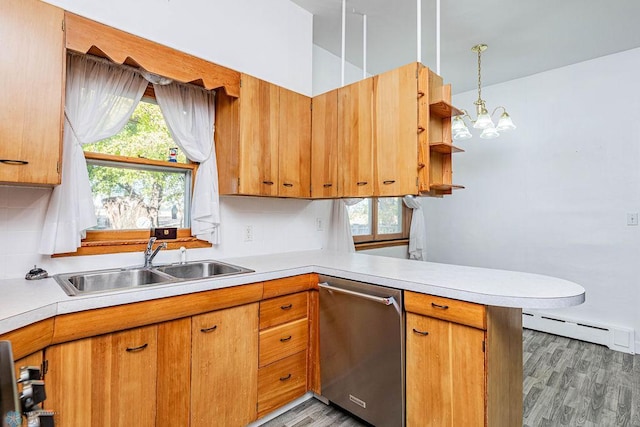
point(524, 37)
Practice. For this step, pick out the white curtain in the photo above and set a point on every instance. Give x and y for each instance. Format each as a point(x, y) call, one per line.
point(190, 115)
point(339, 237)
point(417, 233)
point(100, 98)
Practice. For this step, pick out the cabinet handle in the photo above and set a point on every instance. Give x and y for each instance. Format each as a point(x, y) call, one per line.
point(285, 378)
point(420, 94)
point(327, 185)
point(389, 181)
point(361, 183)
point(14, 162)
point(287, 184)
point(442, 307)
point(211, 329)
point(286, 307)
point(424, 333)
point(139, 348)
point(285, 339)
point(420, 129)
point(267, 182)
point(421, 165)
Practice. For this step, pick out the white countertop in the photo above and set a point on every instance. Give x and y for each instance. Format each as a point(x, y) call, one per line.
point(23, 302)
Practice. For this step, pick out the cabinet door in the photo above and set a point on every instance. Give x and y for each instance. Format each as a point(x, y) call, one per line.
point(324, 146)
point(396, 130)
point(224, 374)
point(108, 380)
point(31, 84)
point(445, 373)
point(294, 145)
point(355, 139)
point(258, 153)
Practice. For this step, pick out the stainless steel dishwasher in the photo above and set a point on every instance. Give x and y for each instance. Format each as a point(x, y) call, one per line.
point(362, 349)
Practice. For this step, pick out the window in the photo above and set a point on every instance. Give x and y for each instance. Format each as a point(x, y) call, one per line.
point(128, 191)
point(139, 180)
point(381, 219)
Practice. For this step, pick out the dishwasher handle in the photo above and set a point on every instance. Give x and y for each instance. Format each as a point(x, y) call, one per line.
point(381, 300)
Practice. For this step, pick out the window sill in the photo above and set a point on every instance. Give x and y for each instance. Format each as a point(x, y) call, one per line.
point(100, 247)
point(381, 244)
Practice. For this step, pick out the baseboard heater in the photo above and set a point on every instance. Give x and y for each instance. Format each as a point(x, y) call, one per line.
point(615, 337)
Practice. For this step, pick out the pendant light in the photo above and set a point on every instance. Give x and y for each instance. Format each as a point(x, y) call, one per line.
point(483, 119)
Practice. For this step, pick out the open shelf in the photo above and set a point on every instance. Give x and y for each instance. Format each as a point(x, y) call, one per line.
point(444, 187)
point(443, 109)
point(444, 148)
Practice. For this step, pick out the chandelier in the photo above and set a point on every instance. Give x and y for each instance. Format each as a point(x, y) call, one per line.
point(483, 119)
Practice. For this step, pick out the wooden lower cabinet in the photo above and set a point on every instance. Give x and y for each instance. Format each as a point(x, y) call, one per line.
point(463, 363)
point(224, 367)
point(109, 380)
point(445, 373)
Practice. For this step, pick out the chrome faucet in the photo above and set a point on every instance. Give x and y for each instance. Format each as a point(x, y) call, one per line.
point(150, 254)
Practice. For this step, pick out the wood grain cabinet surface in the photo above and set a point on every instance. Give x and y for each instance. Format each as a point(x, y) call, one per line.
point(463, 363)
point(263, 141)
point(224, 367)
point(109, 380)
point(32, 88)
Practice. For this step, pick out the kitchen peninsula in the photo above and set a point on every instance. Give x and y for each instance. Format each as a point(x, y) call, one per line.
point(486, 303)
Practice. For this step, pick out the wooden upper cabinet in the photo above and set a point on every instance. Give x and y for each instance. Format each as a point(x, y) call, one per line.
point(259, 106)
point(32, 88)
point(263, 141)
point(355, 139)
point(396, 131)
point(294, 145)
point(324, 146)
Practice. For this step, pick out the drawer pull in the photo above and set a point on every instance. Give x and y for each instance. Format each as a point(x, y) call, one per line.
point(211, 329)
point(361, 183)
point(14, 162)
point(286, 307)
point(285, 378)
point(285, 339)
point(287, 184)
point(267, 182)
point(420, 94)
point(327, 185)
point(139, 348)
point(421, 129)
point(442, 307)
point(389, 181)
point(415, 331)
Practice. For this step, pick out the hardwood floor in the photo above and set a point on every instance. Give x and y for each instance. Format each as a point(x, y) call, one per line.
point(566, 383)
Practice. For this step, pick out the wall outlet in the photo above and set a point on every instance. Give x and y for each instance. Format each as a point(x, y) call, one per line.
point(632, 218)
point(248, 233)
point(319, 224)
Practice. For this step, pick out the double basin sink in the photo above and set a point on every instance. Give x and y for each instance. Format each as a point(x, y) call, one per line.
point(127, 278)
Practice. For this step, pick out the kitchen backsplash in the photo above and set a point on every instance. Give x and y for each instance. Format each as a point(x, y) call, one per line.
point(277, 225)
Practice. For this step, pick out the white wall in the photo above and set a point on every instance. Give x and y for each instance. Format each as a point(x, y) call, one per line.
point(269, 39)
point(552, 196)
point(327, 71)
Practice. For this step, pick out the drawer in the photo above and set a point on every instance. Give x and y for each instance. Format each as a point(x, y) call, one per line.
point(466, 313)
point(281, 382)
point(281, 341)
point(284, 309)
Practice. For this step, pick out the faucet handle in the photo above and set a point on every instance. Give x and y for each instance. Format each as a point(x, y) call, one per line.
point(150, 243)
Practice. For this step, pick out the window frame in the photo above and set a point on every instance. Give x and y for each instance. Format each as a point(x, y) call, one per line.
point(116, 241)
point(375, 239)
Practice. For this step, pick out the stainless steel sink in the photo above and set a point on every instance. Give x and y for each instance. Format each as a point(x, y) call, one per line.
point(107, 280)
point(118, 279)
point(202, 269)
